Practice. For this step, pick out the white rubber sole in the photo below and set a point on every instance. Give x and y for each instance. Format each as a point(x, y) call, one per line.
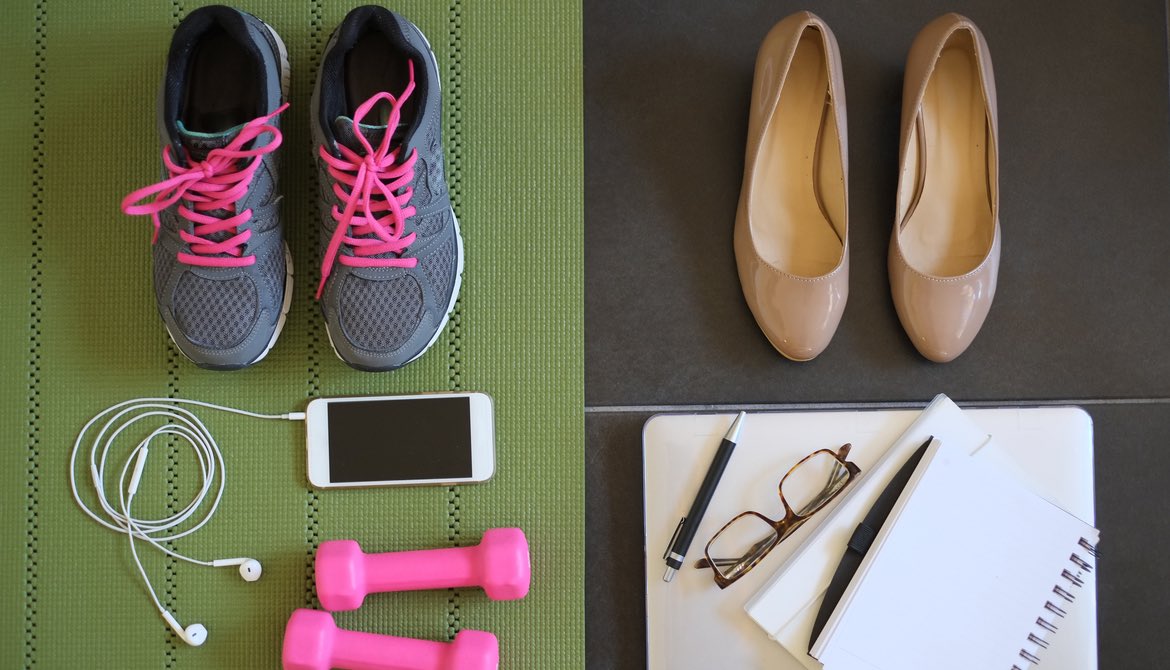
point(454, 291)
point(285, 78)
point(284, 307)
point(458, 234)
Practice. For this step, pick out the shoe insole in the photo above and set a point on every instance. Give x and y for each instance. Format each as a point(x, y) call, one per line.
point(221, 89)
point(373, 66)
point(950, 230)
point(792, 231)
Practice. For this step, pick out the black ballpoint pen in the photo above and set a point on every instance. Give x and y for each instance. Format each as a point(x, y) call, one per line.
point(685, 532)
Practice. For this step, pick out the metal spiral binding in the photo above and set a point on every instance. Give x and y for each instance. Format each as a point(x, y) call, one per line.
point(1074, 576)
point(1087, 546)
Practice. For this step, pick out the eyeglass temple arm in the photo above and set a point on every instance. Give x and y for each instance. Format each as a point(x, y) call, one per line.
point(752, 551)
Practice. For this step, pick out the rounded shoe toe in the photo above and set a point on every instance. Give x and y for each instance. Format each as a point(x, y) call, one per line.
point(797, 332)
point(799, 316)
point(939, 340)
point(378, 320)
point(219, 324)
point(942, 316)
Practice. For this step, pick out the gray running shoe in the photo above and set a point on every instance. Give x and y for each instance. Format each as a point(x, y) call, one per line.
point(222, 273)
point(393, 257)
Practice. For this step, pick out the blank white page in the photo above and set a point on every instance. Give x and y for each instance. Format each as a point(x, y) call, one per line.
point(960, 576)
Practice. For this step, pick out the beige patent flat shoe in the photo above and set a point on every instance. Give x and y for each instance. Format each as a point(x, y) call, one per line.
point(791, 228)
point(944, 251)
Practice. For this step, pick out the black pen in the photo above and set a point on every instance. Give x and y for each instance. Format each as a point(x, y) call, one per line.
point(685, 532)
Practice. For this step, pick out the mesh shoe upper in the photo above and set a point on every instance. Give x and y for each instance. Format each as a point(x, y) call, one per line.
point(384, 309)
point(365, 305)
point(215, 313)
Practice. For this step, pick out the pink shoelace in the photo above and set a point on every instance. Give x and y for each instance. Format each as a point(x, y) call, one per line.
point(216, 183)
point(372, 179)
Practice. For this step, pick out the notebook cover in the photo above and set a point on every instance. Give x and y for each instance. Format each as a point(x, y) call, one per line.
point(962, 571)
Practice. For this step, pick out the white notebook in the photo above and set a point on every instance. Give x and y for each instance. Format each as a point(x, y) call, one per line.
point(970, 566)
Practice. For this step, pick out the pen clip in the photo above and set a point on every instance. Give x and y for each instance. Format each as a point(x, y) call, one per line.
point(674, 537)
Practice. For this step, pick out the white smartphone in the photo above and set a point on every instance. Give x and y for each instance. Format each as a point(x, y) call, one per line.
point(411, 440)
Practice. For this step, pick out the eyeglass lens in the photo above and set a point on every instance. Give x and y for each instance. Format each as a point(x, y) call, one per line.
point(813, 483)
point(741, 544)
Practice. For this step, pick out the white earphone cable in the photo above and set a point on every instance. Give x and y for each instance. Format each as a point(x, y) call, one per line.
point(179, 422)
point(138, 561)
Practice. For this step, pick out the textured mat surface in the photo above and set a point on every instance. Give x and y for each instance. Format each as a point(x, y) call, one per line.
point(79, 331)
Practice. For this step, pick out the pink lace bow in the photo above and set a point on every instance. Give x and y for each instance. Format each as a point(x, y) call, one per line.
point(217, 182)
point(366, 183)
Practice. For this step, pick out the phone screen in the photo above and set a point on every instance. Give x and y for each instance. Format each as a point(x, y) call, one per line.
point(390, 440)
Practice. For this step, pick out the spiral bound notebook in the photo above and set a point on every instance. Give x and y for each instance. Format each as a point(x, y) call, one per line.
point(970, 567)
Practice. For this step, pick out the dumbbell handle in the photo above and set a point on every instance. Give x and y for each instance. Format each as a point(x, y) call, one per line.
point(423, 569)
point(354, 650)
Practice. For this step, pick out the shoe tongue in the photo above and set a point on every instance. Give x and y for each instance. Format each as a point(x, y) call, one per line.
point(199, 144)
point(343, 130)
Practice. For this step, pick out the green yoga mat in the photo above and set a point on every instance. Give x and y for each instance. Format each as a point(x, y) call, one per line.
point(80, 332)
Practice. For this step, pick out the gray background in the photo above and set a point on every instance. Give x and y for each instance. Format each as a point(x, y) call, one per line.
point(1082, 315)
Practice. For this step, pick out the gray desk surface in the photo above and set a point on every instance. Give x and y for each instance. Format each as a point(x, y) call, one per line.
point(1082, 313)
point(1081, 309)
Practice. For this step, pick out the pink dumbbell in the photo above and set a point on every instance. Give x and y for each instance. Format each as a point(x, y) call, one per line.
point(313, 642)
point(499, 564)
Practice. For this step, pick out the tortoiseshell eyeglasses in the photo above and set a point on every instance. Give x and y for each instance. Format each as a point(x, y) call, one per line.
point(745, 540)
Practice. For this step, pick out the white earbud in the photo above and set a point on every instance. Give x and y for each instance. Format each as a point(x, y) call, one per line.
point(250, 568)
point(194, 635)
